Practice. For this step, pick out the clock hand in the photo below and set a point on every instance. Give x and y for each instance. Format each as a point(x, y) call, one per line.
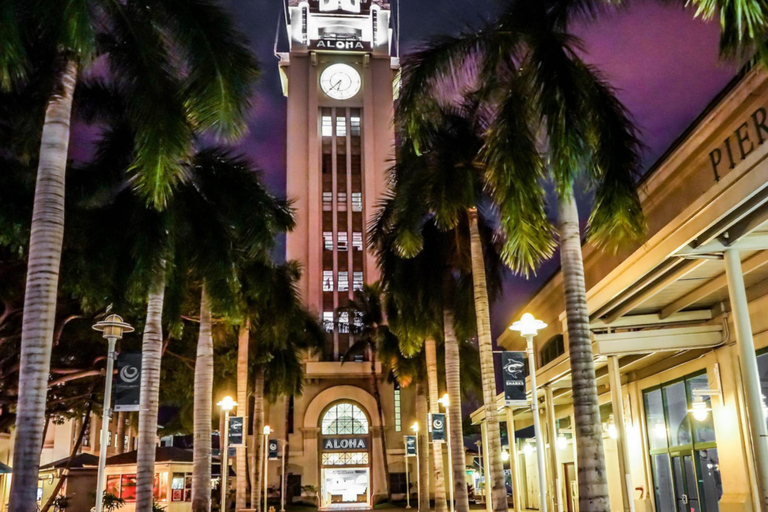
point(336, 86)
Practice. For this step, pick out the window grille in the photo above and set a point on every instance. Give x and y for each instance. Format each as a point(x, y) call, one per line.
point(326, 127)
point(357, 201)
point(344, 419)
point(343, 280)
point(357, 241)
point(327, 280)
point(328, 321)
point(328, 240)
point(343, 240)
point(341, 126)
point(357, 281)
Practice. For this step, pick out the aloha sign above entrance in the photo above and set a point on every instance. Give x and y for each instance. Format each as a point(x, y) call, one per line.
point(345, 443)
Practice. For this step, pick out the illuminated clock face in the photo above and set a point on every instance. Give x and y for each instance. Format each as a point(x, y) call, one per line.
point(340, 81)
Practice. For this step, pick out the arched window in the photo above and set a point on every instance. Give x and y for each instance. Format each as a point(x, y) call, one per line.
point(344, 419)
point(552, 349)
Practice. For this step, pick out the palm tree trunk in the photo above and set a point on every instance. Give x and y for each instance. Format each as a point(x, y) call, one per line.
point(430, 351)
point(377, 397)
point(39, 315)
point(453, 383)
point(421, 417)
point(201, 458)
point(151, 356)
point(257, 455)
point(120, 434)
point(593, 483)
point(485, 345)
point(241, 485)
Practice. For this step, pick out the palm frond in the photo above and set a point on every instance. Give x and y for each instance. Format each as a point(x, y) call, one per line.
point(514, 176)
point(221, 68)
point(743, 25)
point(13, 58)
point(141, 66)
point(617, 217)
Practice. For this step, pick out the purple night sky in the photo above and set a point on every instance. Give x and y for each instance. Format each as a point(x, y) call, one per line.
point(663, 63)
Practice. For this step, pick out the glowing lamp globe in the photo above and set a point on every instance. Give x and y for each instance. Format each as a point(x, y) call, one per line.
point(445, 400)
point(227, 404)
point(113, 327)
point(415, 426)
point(528, 325)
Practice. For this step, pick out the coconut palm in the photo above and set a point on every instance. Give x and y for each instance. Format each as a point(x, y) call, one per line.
point(184, 66)
point(532, 81)
point(369, 330)
point(438, 177)
point(429, 297)
point(281, 332)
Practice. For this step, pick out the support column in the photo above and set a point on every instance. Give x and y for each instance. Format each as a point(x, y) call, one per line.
point(749, 371)
point(486, 468)
point(617, 406)
point(557, 494)
point(514, 461)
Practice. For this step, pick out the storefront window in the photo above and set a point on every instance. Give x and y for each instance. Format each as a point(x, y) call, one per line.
point(762, 369)
point(113, 485)
point(344, 419)
point(128, 487)
point(160, 488)
point(683, 452)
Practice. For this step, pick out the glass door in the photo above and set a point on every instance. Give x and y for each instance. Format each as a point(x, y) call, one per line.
point(685, 483)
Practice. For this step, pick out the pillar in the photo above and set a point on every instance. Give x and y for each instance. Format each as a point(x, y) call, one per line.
point(750, 376)
point(617, 405)
point(557, 494)
point(514, 461)
point(486, 468)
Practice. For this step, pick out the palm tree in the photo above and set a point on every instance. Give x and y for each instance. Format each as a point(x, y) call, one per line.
point(241, 482)
point(369, 330)
point(183, 65)
point(281, 332)
point(532, 81)
point(430, 296)
point(438, 177)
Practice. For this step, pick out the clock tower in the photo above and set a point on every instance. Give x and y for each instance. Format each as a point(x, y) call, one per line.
point(338, 76)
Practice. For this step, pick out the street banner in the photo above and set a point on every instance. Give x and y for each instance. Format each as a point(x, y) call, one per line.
point(437, 426)
point(513, 373)
point(410, 446)
point(128, 382)
point(272, 446)
point(236, 430)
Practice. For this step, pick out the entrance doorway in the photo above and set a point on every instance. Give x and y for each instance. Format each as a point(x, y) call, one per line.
point(686, 488)
point(345, 487)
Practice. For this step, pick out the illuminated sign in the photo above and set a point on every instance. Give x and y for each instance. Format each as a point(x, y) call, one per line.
point(345, 45)
point(345, 443)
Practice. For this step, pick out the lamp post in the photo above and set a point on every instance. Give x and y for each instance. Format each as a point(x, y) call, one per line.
point(227, 404)
point(407, 483)
point(267, 431)
point(445, 401)
point(415, 429)
point(528, 326)
point(111, 328)
point(282, 482)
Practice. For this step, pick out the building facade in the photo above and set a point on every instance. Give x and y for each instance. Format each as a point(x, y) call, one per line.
point(338, 78)
point(680, 333)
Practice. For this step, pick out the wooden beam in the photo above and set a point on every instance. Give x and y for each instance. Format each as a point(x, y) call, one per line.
point(712, 286)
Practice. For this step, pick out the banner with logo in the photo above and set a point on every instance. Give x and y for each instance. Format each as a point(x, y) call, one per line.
point(272, 447)
point(236, 424)
point(410, 446)
point(437, 427)
point(513, 373)
point(128, 382)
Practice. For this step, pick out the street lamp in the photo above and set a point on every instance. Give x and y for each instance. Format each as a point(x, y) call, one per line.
point(267, 431)
point(445, 401)
point(282, 480)
point(111, 328)
point(415, 429)
point(227, 404)
point(528, 326)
